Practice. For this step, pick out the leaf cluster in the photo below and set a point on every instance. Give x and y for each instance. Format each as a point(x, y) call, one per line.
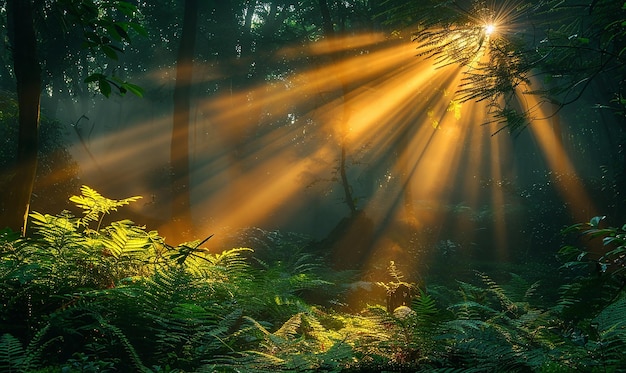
point(598, 265)
point(106, 28)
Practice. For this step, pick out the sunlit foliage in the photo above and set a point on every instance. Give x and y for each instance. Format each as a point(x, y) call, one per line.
point(78, 298)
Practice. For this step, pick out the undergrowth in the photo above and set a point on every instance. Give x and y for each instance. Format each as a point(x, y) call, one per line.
point(81, 296)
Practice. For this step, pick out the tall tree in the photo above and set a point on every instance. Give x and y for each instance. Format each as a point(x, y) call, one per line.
point(27, 71)
point(329, 33)
point(102, 35)
point(179, 150)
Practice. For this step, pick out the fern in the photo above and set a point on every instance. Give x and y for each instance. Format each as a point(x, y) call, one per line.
point(12, 357)
point(299, 344)
point(128, 347)
point(119, 295)
point(290, 328)
point(95, 206)
point(123, 239)
point(425, 307)
point(496, 327)
point(611, 333)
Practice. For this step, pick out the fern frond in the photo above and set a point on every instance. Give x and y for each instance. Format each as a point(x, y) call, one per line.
point(248, 362)
point(463, 326)
point(498, 292)
point(95, 206)
point(11, 354)
point(613, 317)
point(128, 347)
point(124, 239)
point(36, 346)
point(289, 329)
point(230, 258)
point(472, 310)
point(59, 232)
point(424, 306)
point(394, 272)
point(611, 329)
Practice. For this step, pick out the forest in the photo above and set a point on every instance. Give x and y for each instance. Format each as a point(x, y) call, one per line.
point(312, 186)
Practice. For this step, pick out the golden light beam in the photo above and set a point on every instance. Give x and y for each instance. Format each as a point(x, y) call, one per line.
point(564, 174)
point(310, 85)
point(248, 170)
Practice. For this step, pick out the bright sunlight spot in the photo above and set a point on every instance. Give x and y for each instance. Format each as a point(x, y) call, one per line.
point(489, 29)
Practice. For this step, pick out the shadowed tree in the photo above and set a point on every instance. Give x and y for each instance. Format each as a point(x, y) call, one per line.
point(102, 35)
point(329, 33)
point(27, 71)
point(351, 240)
point(179, 150)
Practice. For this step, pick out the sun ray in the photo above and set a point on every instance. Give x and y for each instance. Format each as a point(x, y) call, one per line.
point(563, 173)
point(261, 151)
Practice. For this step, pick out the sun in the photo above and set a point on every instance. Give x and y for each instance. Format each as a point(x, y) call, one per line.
point(489, 28)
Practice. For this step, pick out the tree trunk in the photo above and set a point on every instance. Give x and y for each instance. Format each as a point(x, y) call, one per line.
point(179, 151)
point(327, 23)
point(329, 33)
point(28, 78)
point(233, 68)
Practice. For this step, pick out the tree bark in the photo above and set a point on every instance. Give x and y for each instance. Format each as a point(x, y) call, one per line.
point(27, 70)
point(179, 147)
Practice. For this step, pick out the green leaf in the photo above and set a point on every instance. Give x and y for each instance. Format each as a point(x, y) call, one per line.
point(105, 87)
point(595, 221)
point(109, 51)
point(134, 89)
point(126, 8)
point(12, 357)
point(121, 31)
point(138, 28)
point(573, 228)
point(93, 38)
point(113, 31)
point(94, 77)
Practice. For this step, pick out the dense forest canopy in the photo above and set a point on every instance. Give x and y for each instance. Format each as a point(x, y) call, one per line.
point(303, 115)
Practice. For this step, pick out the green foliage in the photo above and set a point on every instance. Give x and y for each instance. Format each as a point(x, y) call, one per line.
point(499, 328)
point(596, 294)
point(11, 354)
point(15, 358)
point(611, 259)
point(95, 206)
point(598, 267)
point(610, 329)
point(106, 27)
point(115, 287)
point(84, 296)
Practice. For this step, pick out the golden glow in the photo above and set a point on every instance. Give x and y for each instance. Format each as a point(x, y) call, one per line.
point(443, 169)
point(489, 28)
point(546, 130)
